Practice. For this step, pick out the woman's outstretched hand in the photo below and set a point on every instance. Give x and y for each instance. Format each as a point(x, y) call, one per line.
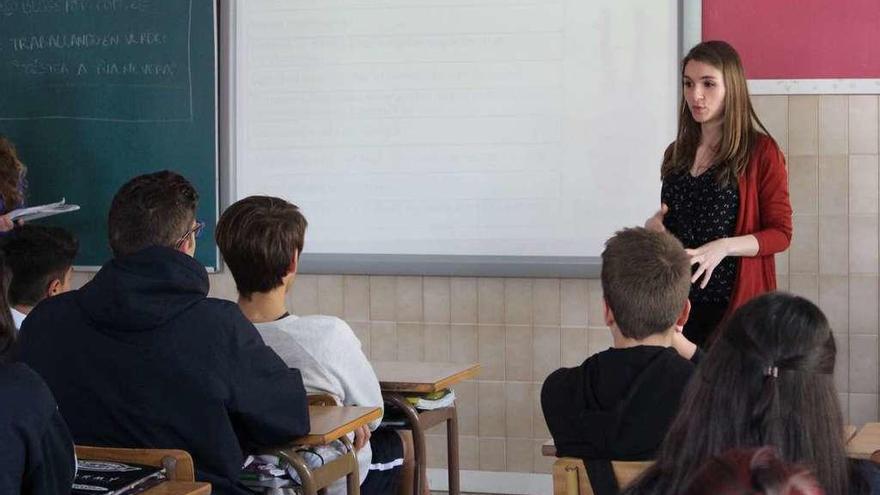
point(655, 223)
point(707, 257)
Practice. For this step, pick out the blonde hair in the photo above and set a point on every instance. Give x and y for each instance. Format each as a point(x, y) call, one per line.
point(740, 125)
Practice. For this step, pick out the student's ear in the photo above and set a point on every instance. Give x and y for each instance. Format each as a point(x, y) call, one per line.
point(55, 287)
point(609, 315)
point(294, 263)
point(684, 315)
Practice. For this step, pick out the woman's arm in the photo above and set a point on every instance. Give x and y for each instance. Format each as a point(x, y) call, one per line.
point(774, 204)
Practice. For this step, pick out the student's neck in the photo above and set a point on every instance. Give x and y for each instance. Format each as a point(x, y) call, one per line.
point(262, 307)
point(21, 308)
point(710, 134)
point(658, 339)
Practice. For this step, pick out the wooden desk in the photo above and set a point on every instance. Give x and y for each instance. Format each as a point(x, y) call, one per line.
point(180, 488)
point(326, 424)
point(865, 442)
point(399, 378)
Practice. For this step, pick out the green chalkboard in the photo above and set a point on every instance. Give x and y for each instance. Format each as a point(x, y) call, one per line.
point(94, 92)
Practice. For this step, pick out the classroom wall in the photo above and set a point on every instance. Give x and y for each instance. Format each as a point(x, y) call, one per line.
point(522, 329)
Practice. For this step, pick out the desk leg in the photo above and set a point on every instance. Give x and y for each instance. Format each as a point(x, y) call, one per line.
point(418, 434)
point(452, 450)
point(309, 486)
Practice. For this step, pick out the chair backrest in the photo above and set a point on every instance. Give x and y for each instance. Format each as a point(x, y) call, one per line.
point(570, 475)
point(321, 400)
point(178, 464)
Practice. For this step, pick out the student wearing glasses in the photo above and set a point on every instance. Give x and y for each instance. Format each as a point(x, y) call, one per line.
point(141, 357)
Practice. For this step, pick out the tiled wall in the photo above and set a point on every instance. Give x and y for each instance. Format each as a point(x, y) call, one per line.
point(521, 329)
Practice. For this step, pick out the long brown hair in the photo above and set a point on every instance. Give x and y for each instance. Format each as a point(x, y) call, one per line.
point(767, 381)
point(11, 175)
point(740, 125)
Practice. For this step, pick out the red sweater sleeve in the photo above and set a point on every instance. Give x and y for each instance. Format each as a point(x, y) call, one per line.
point(774, 203)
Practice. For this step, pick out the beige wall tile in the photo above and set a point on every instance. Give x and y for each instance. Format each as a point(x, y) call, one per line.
point(543, 464)
point(463, 344)
point(864, 185)
point(303, 296)
point(492, 352)
point(409, 299)
point(863, 354)
point(803, 254)
point(546, 301)
point(598, 340)
point(805, 285)
point(596, 304)
point(221, 285)
point(834, 245)
point(864, 242)
point(78, 279)
point(383, 298)
point(574, 346)
point(862, 408)
point(469, 453)
point(833, 185)
point(519, 455)
point(834, 300)
point(519, 352)
point(843, 399)
point(547, 352)
point(437, 299)
point(361, 330)
point(490, 300)
point(330, 290)
point(803, 176)
point(841, 362)
point(467, 407)
point(803, 122)
point(863, 124)
point(436, 445)
point(833, 117)
point(492, 455)
point(492, 409)
point(863, 301)
point(356, 298)
point(773, 112)
point(410, 342)
point(782, 282)
point(518, 301)
point(782, 262)
point(383, 341)
point(437, 341)
point(539, 425)
point(574, 302)
point(464, 300)
point(519, 409)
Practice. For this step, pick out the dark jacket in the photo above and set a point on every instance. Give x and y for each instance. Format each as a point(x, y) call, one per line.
point(617, 405)
point(140, 357)
point(36, 457)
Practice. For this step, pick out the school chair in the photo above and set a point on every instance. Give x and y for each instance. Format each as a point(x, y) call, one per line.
point(321, 400)
point(570, 476)
point(178, 464)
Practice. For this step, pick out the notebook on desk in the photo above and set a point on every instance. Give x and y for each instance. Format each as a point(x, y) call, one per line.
point(115, 478)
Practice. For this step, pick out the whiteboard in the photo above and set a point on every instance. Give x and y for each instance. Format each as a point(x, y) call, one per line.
point(456, 127)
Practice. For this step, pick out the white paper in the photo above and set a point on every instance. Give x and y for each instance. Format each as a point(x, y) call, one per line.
point(47, 210)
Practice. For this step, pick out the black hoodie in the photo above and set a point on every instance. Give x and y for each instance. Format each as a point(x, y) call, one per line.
point(140, 357)
point(617, 405)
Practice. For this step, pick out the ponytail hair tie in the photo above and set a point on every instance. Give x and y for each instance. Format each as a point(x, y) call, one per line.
point(771, 371)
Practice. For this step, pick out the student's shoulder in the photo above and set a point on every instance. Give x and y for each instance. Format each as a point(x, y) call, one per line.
point(24, 393)
point(331, 328)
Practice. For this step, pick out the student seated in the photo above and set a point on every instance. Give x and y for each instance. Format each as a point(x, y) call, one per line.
point(36, 456)
point(140, 357)
point(768, 380)
point(617, 405)
point(40, 260)
point(755, 472)
point(261, 239)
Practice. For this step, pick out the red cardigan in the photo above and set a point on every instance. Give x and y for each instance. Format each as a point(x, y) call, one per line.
point(764, 212)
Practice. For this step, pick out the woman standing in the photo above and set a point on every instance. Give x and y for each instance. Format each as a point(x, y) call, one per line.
point(725, 189)
point(11, 183)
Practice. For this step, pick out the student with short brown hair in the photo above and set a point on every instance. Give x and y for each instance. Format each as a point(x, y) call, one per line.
point(618, 403)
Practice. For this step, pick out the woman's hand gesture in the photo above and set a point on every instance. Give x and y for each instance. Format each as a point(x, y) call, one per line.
point(655, 223)
point(707, 257)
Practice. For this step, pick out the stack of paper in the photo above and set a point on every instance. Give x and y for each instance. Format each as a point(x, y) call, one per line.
point(35, 212)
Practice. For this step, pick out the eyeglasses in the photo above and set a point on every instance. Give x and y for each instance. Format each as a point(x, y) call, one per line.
point(195, 231)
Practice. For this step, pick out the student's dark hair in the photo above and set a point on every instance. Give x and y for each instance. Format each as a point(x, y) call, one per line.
point(154, 209)
point(752, 472)
point(766, 381)
point(36, 255)
point(7, 326)
point(645, 280)
point(258, 237)
point(11, 175)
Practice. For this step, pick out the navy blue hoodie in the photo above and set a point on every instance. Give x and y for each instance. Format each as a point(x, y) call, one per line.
point(140, 357)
